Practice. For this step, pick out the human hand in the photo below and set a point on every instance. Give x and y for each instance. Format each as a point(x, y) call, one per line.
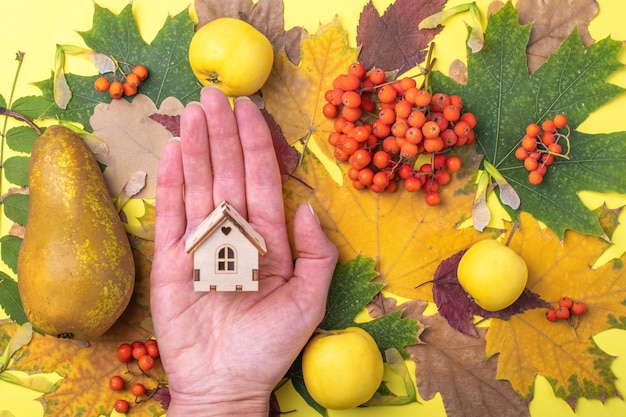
point(224, 352)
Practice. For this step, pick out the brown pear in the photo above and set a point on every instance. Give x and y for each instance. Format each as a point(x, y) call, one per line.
point(75, 267)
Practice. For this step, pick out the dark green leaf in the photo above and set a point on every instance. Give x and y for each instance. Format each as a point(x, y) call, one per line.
point(16, 170)
point(21, 139)
point(35, 107)
point(16, 207)
point(118, 36)
point(505, 98)
point(350, 291)
point(9, 249)
point(10, 299)
point(3, 102)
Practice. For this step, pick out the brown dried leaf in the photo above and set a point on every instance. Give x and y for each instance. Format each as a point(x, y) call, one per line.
point(393, 40)
point(553, 21)
point(454, 364)
point(135, 140)
point(458, 71)
point(265, 15)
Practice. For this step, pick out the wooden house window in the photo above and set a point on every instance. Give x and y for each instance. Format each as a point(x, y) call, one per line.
point(226, 259)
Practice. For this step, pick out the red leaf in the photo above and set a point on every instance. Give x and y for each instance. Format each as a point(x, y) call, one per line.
point(394, 41)
point(457, 307)
point(286, 154)
point(171, 123)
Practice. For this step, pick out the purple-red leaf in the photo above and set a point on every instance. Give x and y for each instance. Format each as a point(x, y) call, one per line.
point(286, 154)
point(458, 308)
point(393, 40)
point(171, 123)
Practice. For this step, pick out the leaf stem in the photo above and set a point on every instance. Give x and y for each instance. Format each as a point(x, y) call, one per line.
point(19, 57)
point(19, 116)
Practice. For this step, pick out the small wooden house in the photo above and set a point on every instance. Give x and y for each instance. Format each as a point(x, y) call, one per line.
point(226, 252)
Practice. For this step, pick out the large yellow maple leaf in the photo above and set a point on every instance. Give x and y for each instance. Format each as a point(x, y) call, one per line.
point(563, 352)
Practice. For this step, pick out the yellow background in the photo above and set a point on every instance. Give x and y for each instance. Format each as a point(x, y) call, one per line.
point(37, 26)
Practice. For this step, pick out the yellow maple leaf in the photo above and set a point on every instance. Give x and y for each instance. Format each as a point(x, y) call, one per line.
point(563, 352)
point(294, 95)
point(408, 238)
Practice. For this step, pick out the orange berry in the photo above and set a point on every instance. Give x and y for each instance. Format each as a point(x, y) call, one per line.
point(529, 143)
point(351, 99)
point(407, 83)
point(560, 121)
point(532, 130)
point(387, 94)
point(140, 71)
point(101, 84)
point(535, 178)
point(330, 111)
point(357, 69)
point(116, 90)
point(431, 129)
point(433, 144)
point(578, 308)
point(133, 80)
point(129, 90)
point(377, 76)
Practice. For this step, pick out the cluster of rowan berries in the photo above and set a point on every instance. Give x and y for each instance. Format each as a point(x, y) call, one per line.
point(145, 354)
point(381, 128)
point(540, 145)
point(116, 88)
point(566, 309)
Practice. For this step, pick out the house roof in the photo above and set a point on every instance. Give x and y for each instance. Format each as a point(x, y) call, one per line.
point(221, 213)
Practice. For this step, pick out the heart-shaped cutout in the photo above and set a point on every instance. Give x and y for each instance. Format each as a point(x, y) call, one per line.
point(226, 230)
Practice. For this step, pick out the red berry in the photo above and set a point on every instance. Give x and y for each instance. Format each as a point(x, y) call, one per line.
point(578, 308)
point(139, 351)
point(116, 383)
point(121, 406)
point(551, 314)
point(562, 313)
point(138, 389)
point(565, 302)
point(146, 362)
point(125, 353)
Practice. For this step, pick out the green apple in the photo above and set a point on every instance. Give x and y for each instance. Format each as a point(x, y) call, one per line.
point(342, 369)
point(232, 55)
point(493, 274)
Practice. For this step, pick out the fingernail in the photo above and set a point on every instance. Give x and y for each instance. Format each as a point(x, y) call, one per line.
point(241, 98)
point(209, 87)
point(313, 212)
point(174, 139)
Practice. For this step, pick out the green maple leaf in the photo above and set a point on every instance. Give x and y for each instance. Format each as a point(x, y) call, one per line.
point(505, 98)
point(351, 290)
point(118, 36)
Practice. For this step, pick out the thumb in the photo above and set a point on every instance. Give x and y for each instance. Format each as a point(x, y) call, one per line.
point(317, 258)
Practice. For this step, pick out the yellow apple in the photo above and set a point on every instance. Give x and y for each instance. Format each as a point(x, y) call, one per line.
point(342, 368)
point(231, 54)
point(493, 274)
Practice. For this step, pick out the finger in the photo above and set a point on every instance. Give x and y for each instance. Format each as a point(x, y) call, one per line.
point(170, 207)
point(225, 148)
point(314, 267)
point(263, 187)
point(196, 164)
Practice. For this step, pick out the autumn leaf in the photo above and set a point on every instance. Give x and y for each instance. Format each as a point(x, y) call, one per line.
point(505, 98)
point(563, 352)
point(454, 365)
point(455, 305)
point(118, 36)
point(294, 94)
point(393, 41)
point(134, 139)
point(265, 15)
point(553, 21)
point(408, 238)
